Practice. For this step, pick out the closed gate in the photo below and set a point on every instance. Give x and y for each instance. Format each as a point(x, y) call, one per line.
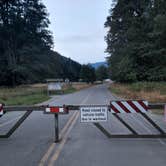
point(138, 107)
point(94, 114)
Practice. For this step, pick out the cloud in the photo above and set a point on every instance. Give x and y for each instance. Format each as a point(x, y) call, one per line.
point(78, 28)
point(80, 38)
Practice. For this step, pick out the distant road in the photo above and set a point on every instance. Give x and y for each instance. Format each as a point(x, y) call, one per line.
point(82, 144)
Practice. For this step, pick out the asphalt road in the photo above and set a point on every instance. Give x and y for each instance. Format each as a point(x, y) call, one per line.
point(82, 144)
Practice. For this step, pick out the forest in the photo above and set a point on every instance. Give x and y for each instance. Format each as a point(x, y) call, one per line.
point(26, 45)
point(136, 40)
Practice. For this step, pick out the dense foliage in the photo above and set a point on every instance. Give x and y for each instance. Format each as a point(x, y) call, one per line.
point(101, 73)
point(26, 54)
point(136, 40)
point(87, 73)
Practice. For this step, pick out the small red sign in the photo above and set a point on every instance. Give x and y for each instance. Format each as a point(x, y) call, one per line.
point(54, 109)
point(60, 110)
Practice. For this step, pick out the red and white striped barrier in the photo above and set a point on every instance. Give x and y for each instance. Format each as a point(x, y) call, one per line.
point(56, 110)
point(1, 110)
point(129, 106)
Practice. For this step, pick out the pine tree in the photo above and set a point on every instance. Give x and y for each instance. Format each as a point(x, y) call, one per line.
point(136, 40)
point(23, 36)
point(26, 54)
point(101, 73)
point(87, 73)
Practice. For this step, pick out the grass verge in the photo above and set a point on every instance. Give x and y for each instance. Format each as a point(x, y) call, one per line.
point(23, 95)
point(154, 92)
point(33, 94)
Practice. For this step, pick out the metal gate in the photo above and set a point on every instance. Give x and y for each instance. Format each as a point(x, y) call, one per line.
point(138, 107)
point(115, 108)
point(55, 110)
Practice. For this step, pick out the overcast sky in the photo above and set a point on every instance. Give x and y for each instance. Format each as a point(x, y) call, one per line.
point(78, 28)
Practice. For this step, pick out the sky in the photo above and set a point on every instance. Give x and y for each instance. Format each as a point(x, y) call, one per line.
point(78, 28)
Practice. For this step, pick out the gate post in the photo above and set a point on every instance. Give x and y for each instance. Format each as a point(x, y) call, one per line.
point(165, 113)
point(56, 128)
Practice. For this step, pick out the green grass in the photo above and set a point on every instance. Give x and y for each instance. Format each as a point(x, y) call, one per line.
point(70, 90)
point(23, 95)
point(27, 100)
point(28, 95)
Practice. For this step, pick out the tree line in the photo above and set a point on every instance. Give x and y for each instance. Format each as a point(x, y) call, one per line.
point(136, 40)
point(89, 74)
point(26, 45)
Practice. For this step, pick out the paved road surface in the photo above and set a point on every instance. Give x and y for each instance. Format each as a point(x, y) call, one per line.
point(82, 144)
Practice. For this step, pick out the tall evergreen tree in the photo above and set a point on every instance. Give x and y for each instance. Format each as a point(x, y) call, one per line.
point(130, 41)
point(26, 54)
point(87, 73)
point(101, 73)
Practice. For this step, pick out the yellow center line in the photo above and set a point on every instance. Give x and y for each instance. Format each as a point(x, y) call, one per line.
point(61, 145)
point(52, 146)
point(67, 124)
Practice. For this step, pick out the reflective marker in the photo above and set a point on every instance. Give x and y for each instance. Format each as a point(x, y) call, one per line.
point(1, 109)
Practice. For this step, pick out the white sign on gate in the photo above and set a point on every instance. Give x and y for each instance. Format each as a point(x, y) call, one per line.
point(94, 114)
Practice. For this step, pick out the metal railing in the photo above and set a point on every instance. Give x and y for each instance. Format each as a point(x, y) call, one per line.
point(29, 109)
point(134, 133)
